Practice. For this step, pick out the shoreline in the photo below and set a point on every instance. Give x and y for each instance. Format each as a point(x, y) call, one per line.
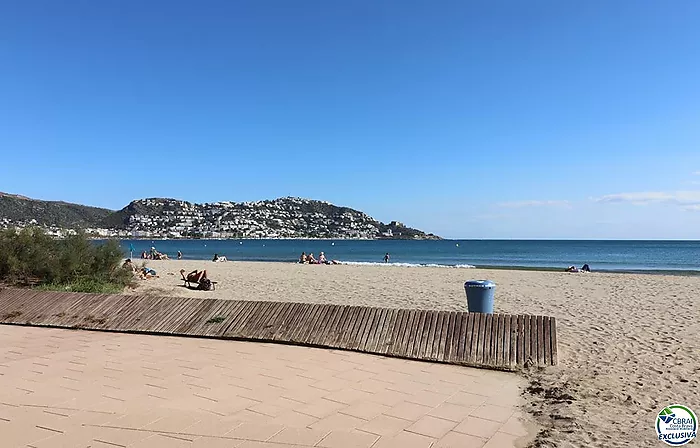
point(672, 272)
point(679, 272)
point(398, 239)
point(102, 238)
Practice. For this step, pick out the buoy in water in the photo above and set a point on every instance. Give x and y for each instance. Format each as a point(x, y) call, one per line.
point(457, 244)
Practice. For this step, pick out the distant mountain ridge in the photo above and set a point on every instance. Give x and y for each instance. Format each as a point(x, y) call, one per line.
point(16, 209)
point(288, 217)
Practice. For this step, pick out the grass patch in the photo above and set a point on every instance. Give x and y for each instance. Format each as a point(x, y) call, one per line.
point(216, 320)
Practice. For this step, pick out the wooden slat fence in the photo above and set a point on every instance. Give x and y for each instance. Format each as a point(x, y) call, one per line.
point(497, 341)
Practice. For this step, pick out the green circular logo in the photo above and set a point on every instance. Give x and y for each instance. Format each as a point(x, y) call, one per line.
point(676, 425)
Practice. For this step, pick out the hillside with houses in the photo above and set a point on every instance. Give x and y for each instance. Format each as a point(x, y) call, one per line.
point(288, 217)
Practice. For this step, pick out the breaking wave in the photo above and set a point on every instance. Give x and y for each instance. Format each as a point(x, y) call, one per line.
point(408, 265)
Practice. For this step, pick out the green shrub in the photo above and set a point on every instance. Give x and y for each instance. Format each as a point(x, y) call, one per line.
point(30, 257)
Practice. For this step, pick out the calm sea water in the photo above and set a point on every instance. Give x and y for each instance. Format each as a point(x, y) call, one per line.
point(600, 255)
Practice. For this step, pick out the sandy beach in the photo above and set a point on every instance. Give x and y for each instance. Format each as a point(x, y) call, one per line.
point(629, 344)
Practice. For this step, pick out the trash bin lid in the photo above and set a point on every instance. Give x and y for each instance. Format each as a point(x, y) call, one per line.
point(479, 284)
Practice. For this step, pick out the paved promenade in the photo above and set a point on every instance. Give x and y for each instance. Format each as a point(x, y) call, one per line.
point(77, 389)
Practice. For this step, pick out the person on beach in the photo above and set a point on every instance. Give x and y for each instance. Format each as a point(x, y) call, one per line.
point(386, 257)
point(572, 269)
point(179, 255)
point(323, 260)
point(311, 259)
point(129, 265)
point(195, 276)
point(585, 268)
point(147, 273)
point(302, 258)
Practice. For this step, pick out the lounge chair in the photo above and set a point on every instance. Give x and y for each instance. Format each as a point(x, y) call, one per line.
point(189, 280)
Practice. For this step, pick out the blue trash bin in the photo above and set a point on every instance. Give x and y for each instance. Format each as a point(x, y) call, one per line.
point(480, 296)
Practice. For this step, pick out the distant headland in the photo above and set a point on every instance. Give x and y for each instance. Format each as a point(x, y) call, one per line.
point(162, 218)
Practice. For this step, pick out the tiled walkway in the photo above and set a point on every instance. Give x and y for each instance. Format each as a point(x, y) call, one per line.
point(77, 389)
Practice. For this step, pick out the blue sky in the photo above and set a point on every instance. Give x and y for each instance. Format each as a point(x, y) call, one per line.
point(489, 119)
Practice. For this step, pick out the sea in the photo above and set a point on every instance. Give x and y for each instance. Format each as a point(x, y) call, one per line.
point(681, 257)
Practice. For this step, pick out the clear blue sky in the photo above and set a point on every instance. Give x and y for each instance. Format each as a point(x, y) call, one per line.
point(506, 119)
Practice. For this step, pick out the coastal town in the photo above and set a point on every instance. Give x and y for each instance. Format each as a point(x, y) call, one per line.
point(163, 218)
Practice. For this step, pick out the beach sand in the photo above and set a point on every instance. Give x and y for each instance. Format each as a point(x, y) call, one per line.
point(629, 344)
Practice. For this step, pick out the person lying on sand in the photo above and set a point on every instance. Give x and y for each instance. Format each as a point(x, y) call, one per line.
point(584, 268)
point(147, 273)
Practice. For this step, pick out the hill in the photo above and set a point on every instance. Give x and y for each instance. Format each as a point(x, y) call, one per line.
point(21, 211)
point(172, 218)
point(279, 218)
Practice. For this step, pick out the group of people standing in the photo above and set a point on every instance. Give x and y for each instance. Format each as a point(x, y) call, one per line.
point(310, 259)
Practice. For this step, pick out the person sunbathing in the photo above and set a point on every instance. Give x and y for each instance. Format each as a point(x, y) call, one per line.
point(147, 273)
point(194, 276)
point(311, 259)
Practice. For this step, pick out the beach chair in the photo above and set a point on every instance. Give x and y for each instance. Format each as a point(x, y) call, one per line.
point(189, 283)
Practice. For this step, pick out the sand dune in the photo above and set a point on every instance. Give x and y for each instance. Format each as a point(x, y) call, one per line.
point(629, 344)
